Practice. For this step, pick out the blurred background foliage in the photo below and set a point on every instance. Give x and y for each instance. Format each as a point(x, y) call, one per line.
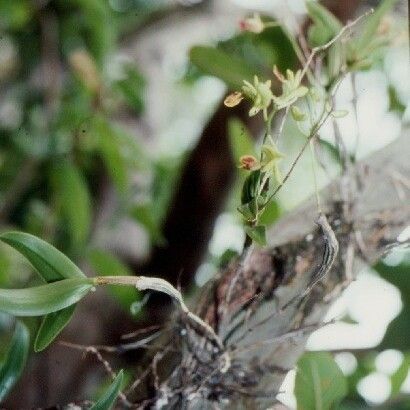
point(93, 143)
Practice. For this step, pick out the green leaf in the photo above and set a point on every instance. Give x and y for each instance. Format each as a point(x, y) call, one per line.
point(110, 149)
point(250, 187)
point(132, 88)
point(247, 211)
point(107, 400)
point(50, 263)
point(97, 22)
point(372, 23)
point(44, 299)
point(143, 214)
point(15, 359)
point(74, 200)
point(51, 326)
point(399, 376)
point(398, 276)
point(230, 69)
point(326, 25)
point(257, 233)
point(270, 214)
point(52, 266)
point(106, 264)
point(240, 139)
point(319, 384)
point(336, 60)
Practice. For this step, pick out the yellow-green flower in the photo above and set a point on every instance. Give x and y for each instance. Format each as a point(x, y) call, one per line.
point(260, 94)
point(253, 24)
point(292, 90)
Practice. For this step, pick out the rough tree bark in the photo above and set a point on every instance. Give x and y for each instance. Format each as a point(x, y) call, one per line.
point(263, 307)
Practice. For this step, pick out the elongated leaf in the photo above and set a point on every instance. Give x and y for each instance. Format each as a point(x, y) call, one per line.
point(319, 384)
point(109, 146)
point(240, 139)
point(49, 262)
point(44, 299)
point(52, 266)
point(74, 201)
point(107, 400)
point(230, 69)
point(51, 326)
point(372, 22)
point(143, 214)
point(325, 26)
point(270, 214)
point(15, 359)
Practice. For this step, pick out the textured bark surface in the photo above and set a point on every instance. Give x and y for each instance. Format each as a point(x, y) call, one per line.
point(261, 305)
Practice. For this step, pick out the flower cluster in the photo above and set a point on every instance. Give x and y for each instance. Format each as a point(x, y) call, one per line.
point(292, 89)
point(261, 95)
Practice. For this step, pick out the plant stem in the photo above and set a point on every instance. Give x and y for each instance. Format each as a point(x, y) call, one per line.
point(160, 285)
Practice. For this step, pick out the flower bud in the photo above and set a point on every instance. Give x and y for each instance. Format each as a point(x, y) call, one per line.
point(248, 162)
point(233, 99)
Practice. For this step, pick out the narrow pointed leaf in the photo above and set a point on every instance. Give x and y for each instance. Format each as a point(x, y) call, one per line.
point(230, 69)
point(71, 188)
point(372, 23)
point(108, 398)
point(325, 26)
point(44, 299)
point(15, 359)
point(51, 326)
point(240, 139)
point(49, 262)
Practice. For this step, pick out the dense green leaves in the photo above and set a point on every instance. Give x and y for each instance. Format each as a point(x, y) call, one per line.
point(107, 400)
point(70, 188)
point(15, 359)
point(44, 299)
point(230, 69)
point(51, 326)
point(49, 262)
point(320, 384)
point(52, 266)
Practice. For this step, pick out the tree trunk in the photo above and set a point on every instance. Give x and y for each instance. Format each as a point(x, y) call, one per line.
point(266, 303)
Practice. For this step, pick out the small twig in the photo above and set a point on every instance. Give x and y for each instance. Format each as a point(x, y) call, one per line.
point(324, 47)
point(296, 160)
point(93, 350)
point(140, 331)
